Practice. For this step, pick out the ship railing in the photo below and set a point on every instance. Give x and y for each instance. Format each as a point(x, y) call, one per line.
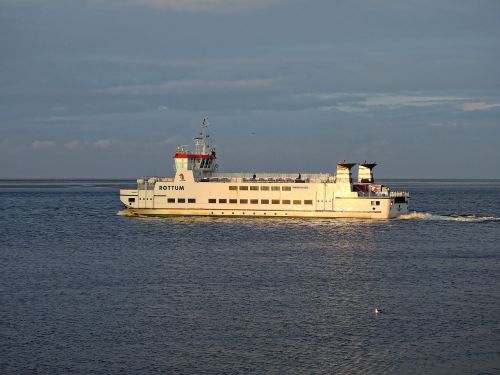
point(166, 179)
point(400, 194)
point(372, 194)
point(383, 193)
point(268, 177)
point(148, 183)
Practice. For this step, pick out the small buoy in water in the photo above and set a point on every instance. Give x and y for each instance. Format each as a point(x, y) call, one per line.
point(377, 311)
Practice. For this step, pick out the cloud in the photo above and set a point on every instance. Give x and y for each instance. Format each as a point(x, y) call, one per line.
point(204, 5)
point(363, 102)
point(102, 144)
point(479, 106)
point(373, 148)
point(350, 109)
point(73, 145)
point(161, 146)
point(397, 101)
point(444, 124)
point(192, 85)
point(42, 145)
point(328, 96)
point(170, 141)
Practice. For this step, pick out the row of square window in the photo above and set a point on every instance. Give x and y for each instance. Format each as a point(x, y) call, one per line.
point(245, 201)
point(262, 201)
point(272, 188)
point(181, 200)
point(242, 201)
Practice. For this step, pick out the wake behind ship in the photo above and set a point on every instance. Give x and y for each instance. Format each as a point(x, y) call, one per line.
point(197, 189)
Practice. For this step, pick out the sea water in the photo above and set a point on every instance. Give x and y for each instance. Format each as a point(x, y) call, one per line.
point(85, 289)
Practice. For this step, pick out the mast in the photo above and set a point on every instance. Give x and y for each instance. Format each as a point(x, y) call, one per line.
point(202, 146)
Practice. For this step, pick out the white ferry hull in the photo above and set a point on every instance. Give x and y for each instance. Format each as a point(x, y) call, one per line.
point(158, 212)
point(313, 200)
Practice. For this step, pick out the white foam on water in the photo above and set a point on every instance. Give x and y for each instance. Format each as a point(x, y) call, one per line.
point(463, 218)
point(125, 213)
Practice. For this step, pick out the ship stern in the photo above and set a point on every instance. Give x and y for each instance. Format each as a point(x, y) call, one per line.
point(400, 202)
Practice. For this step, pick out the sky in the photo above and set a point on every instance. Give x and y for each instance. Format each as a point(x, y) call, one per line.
point(108, 88)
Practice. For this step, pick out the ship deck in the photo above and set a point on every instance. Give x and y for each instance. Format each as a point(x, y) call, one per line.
point(259, 178)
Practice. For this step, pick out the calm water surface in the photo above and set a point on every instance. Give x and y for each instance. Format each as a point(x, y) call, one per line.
point(85, 290)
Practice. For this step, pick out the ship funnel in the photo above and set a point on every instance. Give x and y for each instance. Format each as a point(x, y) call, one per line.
point(344, 172)
point(365, 172)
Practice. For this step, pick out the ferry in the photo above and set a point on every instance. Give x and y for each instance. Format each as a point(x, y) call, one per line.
point(198, 189)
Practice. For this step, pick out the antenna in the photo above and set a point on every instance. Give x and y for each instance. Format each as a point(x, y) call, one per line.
point(205, 135)
point(202, 146)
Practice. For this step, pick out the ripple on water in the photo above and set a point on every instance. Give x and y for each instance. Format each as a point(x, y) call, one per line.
point(85, 289)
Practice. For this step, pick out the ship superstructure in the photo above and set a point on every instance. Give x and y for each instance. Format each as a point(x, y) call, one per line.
point(199, 189)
